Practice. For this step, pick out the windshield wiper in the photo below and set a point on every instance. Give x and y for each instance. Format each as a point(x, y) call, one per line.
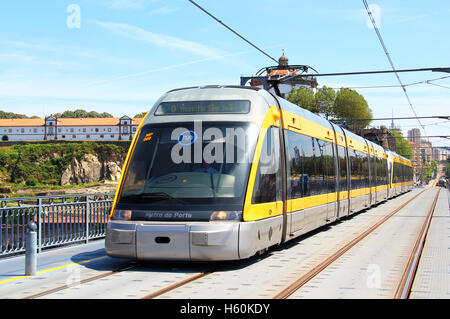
point(156, 195)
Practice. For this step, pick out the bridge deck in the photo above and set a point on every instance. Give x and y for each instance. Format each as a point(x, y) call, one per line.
point(67, 266)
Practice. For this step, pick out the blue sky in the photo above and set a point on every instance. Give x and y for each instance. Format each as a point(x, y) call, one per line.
point(127, 53)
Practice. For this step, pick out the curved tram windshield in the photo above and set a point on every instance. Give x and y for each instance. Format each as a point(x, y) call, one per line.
point(198, 167)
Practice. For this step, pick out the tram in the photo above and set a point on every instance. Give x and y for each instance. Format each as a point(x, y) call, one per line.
point(225, 172)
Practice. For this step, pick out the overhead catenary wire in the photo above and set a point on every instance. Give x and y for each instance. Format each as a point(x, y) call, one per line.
point(443, 123)
point(442, 86)
point(390, 61)
point(396, 86)
point(240, 36)
point(444, 117)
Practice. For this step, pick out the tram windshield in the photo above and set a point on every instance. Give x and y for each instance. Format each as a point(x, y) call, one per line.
point(196, 165)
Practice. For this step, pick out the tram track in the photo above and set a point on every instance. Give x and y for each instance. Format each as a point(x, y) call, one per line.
point(303, 280)
point(80, 282)
point(313, 272)
point(307, 277)
point(405, 284)
point(152, 295)
point(297, 284)
point(178, 284)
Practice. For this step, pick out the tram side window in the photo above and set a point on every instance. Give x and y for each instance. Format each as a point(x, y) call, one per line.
point(396, 173)
point(377, 171)
point(318, 179)
point(342, 168)
point(355, 169)
point(294, 164)
point(365, 170)
point(310, 163)
point(386, 171)
point(381, 171)
point(402, 173)
point(310, 166)
point(300, 164)
point(374, 173)
point(268, 177)
point(330, 172)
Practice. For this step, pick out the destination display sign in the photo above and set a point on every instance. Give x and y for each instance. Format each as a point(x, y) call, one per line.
point(170, 215)
point(203, 107)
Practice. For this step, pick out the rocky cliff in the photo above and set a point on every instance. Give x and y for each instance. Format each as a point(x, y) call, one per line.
point(93, 168)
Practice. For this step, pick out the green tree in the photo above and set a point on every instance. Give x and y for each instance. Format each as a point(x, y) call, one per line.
point(403, 147)
point(324, 101)
point(81, 114)
point(303, 97)
point(10, 115)
point(349, 105)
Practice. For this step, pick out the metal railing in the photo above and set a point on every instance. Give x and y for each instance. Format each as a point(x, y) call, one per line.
point(60, 220)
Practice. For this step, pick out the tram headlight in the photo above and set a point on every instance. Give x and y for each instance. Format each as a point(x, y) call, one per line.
point(226, 215)
point(120, 214)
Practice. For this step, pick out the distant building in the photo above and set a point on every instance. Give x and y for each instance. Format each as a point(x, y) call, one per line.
point(381, 136)
point(416, 158)
point(426, 152)
point(69, 129)
point(414, 135)
point(440, 154)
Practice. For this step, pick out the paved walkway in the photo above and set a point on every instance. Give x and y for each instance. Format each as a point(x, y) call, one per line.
point(432, 279)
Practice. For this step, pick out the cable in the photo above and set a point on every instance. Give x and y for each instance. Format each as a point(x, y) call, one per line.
point(195, 4)
point(441, 78)
point(390, 60)
point(381, 86)
point(442, 86)
point(396, 86)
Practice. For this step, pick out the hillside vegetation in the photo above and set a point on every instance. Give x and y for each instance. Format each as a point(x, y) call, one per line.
point(43, 164)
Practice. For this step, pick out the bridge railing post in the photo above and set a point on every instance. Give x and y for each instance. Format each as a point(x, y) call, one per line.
point(31, 249)
point(39, 225)
point(87, 219)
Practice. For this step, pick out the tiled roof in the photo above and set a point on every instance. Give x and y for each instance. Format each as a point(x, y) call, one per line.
point(22, 122)
point(108, 121)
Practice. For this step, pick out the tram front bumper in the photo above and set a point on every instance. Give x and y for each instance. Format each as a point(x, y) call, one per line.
point(173, 241)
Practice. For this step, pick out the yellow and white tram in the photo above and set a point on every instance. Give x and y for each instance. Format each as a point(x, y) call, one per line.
point(224, 172)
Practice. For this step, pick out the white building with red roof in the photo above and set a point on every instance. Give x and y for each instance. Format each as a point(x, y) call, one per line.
point(69, 129)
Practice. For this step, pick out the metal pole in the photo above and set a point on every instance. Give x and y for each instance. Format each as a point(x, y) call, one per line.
point(31, 249)
point(39, 219)
point(87, 219)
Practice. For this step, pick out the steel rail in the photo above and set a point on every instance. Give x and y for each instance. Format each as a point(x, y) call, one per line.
point(181, 283)
point(285, 293)
point(405, 284)
point(86, 280)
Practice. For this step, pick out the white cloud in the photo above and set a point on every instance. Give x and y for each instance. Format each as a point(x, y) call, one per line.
point(160, 40)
